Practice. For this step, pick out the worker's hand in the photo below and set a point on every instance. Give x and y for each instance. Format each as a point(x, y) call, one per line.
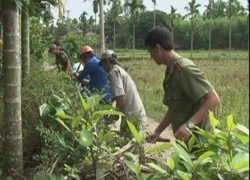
point(182, 133)
point(111, 119)
point(75, 74)
point(152, 138)
point(85, 81)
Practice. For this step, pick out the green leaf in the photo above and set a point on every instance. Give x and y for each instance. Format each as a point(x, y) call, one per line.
point(107, 112)
point(96, 116)
point(207, 134)
point(160, 147)
point(157, 168)
point(230, 123)
point(85, 138)
point(176, 158)
point(240, 162)
point(213, 120)
point(183, 175)
point(204, 157)
point(134, 157)
point(107, 136)
point(134, 131)
point(184, 154)
point(84, 103)
point(62, 115)
point(44, 109)
point(192, 141)
point(132, 166)
point(56, 102)
point(63, 124)
point(142, 134)
point(244, 138)
point(76, 121)
point(243, 129)
point(170, 163)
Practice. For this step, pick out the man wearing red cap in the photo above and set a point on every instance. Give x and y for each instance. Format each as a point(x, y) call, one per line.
point(97, 76)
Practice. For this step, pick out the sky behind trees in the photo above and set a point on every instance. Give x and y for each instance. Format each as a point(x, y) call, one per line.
point(76, 7)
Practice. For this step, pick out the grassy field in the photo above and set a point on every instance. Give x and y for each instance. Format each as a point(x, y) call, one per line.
point(228, 73)
point(229, 76)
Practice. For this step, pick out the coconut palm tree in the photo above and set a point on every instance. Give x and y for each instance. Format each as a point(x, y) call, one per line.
point(233, 8)
point(209, 13)
point(193, 11)
point(13, 150)
point(134, 8)
point(101, 16)
point(115, 11)
point(25, 40)
point(154, 2)
point(172, 18)
point(102, 26)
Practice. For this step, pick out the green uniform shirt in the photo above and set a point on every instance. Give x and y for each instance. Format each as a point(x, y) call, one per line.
point(62, 59)
point(184, 87)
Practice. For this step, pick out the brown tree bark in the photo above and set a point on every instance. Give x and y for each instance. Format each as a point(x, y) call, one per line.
point(13, 152)
point(25, 41)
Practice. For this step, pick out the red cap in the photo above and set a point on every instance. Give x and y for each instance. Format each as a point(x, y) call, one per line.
point(86, 49)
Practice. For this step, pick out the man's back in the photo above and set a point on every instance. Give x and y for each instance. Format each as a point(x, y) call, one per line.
point(122, 84)
point(97, 75)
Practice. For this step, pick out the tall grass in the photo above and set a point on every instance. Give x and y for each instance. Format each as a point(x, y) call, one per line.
point(230, 78)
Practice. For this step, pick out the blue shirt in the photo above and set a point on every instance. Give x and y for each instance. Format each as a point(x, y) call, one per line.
point(98, 77)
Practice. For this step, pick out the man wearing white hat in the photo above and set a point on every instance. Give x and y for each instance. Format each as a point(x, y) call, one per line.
point(124, 91)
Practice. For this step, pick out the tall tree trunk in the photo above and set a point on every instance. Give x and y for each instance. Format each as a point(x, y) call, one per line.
point(96, 31)
point(102, 26)
point(13, 151)
point(230, 37)
point(154, 14)
point(25, 41)
point(114, 37)
point(192, 38)
point(133, 40)
point(230, 28)
point(209, 38)
point(248, 36)
point(173, 34)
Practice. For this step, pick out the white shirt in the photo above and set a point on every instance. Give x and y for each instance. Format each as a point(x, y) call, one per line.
point(75, 67)
point(120, 84)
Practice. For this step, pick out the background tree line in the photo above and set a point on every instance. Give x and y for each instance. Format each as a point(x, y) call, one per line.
point(223, 25)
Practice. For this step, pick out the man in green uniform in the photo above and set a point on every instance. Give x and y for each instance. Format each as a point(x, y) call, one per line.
point(62, 60)
point(188, 94)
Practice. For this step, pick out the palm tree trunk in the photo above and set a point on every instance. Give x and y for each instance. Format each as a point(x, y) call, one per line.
point(154, 14)
point(25, 41)
point(13, 151)
point(133, 40)
point(102, 26)
point(95, 30)
point(230, 37)
point(192, 38)
point(248, 36)
point(173, 34)
point(114, 37)
point(209, 38)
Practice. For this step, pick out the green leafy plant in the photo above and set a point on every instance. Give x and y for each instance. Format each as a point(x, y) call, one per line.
point(223, 156)
point(84, 130)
